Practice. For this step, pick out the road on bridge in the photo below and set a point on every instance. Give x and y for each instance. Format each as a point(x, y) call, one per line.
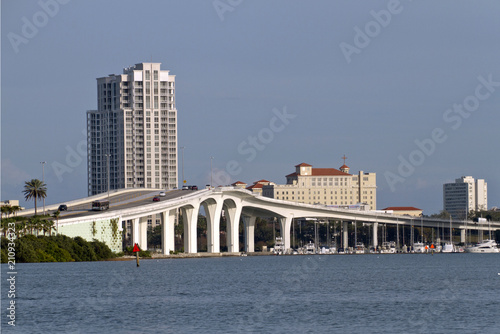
point(122, 201)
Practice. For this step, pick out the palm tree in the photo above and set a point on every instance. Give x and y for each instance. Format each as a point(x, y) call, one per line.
point(56, 216)
point(15, 209)
point(21, 228)
point(5, 210)
point(35, 189)
point(33, 223)
point(5, 225)
point(47, 226)
point(39, 226)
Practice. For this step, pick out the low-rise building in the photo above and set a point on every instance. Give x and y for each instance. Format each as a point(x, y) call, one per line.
point(257, 186)
point(239, 184)
point(14, 203)
point(404, 210)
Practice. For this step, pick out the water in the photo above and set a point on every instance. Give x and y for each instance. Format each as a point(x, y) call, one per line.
point(411, 293)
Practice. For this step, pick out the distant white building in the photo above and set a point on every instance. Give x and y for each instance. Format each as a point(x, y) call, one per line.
point(465, 195)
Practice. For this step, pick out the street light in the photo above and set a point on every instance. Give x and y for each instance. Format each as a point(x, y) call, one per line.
point(211, 171)
point(43, 181)
point(182, 148)
point(107, 170)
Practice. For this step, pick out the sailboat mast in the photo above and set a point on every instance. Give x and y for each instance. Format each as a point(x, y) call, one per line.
point(451, 234)
point(421, 229)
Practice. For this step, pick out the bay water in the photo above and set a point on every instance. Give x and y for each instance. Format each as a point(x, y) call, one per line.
point(376, 293)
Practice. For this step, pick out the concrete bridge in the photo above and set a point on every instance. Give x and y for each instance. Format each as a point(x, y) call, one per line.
point(241, 204)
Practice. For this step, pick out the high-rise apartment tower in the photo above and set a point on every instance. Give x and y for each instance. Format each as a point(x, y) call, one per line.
point(132, 136)
point(465, 195)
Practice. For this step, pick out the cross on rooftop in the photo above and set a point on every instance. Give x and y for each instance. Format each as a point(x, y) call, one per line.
point(344, 157)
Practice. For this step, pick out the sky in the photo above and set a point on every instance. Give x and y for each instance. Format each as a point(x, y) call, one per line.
point(409, 90)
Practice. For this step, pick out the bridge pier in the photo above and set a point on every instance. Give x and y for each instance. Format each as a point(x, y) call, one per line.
point(168, 231)
point(462, 235)
point(249, 222)
point(143, 233)
point(190, 220)
point(345, 228)
point(139, 233)
point(375, 235)
point(233, 215)
point(213, 212)
point(285, 226)
point(135, 231)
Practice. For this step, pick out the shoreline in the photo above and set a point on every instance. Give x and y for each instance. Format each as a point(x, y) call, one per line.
point(242, 254)
point(190, 256)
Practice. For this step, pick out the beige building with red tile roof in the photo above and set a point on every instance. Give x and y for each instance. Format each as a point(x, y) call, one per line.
point(328, 186)
point(257, 186)
point(239, 184)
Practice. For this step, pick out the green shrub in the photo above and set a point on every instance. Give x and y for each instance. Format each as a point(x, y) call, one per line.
point(60, 248)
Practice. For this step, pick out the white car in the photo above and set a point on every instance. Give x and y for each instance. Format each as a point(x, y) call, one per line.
point(163, 194)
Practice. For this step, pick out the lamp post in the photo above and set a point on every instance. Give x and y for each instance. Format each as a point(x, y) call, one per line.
point(107, 171)
point(182, 149)
point(43, 181)
point(211, 171)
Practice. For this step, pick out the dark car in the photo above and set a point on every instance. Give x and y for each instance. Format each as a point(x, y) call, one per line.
point(63, 207)
point(156, 199)
point(193, 187)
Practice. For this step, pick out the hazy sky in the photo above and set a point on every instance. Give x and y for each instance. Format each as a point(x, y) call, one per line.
point(409, 90)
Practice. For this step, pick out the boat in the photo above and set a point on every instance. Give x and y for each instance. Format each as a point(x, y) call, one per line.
point(384, 248)
point(388, 247)
point(392, 247)
point(448, 248)
point(310, 248)
point(360, 248)
point(436, 248)
point(418, 247)
point(279, 246)
point(485, 246)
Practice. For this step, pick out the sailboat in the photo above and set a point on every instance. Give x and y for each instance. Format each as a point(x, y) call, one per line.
point(419, 247)
point(449, 247)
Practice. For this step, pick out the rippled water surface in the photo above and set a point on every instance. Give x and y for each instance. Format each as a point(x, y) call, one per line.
point(411, 293)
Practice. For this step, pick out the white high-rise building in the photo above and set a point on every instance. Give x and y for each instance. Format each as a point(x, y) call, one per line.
point(132, 136)
point(465, 195)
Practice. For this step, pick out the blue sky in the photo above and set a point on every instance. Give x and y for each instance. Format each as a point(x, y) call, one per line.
point(409, 90)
